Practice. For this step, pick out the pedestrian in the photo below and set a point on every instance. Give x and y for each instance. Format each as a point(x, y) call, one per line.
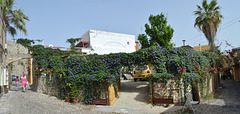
point(17, 83)
point(24, 83)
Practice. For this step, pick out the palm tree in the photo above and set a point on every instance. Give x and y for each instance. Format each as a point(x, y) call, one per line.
point(208, 20)
point(14, 19)
point(72, 42)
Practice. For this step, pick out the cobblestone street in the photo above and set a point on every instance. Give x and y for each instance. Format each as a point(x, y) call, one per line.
point(18, 102)
point(226, 101)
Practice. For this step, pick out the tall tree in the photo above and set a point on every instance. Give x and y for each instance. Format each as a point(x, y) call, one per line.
point(208, 20)
point(143, 39)
point(14, 19)
point(72, 42)
point(159, 32)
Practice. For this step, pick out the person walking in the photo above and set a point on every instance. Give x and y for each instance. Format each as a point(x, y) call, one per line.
point(24, 83)
point(17, 83)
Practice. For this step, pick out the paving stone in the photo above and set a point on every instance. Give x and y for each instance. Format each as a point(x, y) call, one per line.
point(18, 102)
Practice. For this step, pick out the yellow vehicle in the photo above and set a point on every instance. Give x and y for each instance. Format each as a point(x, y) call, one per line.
point(141, 72)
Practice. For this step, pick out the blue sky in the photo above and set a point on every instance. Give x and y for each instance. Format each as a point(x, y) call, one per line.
point(54, 21)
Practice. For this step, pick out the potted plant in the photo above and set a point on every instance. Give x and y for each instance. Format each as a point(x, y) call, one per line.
point(75, 93)
point(68, 92)
point(67, 98)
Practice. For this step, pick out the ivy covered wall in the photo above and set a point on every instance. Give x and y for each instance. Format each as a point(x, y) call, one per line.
point(77, 71)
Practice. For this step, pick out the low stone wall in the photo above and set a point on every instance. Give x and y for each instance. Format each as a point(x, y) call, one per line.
point(47, 86)
point(162, 90)
point(43, 85)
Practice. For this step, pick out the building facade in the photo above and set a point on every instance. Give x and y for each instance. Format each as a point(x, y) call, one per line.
point(101, 42)
point(3, 54)
point(236, 67)
point(201, 48)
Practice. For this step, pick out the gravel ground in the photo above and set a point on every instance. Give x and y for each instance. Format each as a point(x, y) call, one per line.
point(133, 100)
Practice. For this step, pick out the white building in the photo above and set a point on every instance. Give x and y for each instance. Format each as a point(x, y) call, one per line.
point(101, 42)
point(3, 56)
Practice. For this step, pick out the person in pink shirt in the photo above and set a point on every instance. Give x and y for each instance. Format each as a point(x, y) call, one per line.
point(17, 83)
point(24, 83)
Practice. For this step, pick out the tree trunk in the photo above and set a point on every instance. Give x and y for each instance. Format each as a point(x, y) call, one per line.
point(195, 92)
point(212, 47)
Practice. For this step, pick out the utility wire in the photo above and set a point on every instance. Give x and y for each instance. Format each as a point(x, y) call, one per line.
point(226, 26)
point(238, 18)
point(229, 25)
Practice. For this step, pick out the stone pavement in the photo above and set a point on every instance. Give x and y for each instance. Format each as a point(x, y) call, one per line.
point(18, 102)
point(226, 101)
point(133, 99)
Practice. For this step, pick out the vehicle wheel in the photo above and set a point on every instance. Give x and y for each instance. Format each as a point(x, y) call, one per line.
point(135, 80)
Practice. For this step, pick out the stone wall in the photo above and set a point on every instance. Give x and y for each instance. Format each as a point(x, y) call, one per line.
point(167, 90)
point(43, 84)
point(171, 89)
point(19, 66)
point(15, 48)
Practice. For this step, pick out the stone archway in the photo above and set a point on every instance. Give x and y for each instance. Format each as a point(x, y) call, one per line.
point(15, 52)
point(14, 58)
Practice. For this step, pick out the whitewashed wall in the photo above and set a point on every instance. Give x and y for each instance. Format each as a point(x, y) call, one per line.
point(108, 42)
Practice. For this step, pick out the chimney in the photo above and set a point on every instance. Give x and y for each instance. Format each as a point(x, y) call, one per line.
point(183, 42)
point(136, 47)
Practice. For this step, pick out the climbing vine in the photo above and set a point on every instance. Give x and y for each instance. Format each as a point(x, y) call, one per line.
point(78, 70)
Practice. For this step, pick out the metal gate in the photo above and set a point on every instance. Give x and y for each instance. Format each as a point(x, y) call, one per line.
point(100, 92)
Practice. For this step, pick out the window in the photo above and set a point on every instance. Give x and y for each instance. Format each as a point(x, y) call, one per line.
point(141, 68)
